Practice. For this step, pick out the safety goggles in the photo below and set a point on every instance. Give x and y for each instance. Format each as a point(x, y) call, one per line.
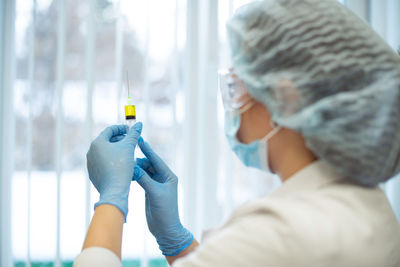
point(233, 91)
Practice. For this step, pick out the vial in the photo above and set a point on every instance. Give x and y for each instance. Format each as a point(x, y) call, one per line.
point(130, 114)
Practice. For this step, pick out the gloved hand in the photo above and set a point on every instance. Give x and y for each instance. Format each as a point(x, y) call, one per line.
point(110, 162)
point(160, 185)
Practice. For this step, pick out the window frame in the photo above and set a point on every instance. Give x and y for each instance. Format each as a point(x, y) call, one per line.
point(7, 72)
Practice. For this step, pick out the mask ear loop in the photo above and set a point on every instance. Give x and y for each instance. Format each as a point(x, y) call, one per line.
point(246, 107)
point(276, 129)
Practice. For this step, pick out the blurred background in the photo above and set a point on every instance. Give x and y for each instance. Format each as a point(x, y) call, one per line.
point(63, 69)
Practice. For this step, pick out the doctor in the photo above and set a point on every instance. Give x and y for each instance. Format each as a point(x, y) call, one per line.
point(313, 96)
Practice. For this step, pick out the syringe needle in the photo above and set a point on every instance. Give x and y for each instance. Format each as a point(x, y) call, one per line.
point(127, 82)
point(130, 112)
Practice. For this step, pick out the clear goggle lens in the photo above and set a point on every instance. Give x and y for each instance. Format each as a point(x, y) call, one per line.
point(233, 91)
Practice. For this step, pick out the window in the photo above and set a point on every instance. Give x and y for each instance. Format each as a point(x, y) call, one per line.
point(72, 59)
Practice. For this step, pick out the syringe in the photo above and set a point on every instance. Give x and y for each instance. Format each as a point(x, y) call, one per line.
point(130, 112)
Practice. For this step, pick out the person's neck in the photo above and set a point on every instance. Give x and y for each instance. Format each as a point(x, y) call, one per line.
point(285, 170)
point(291, 158)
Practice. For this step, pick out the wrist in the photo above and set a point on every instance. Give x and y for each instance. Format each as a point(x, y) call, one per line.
point(173, 244)
point(183, 253)
point(105, 229)
point(109, 213)
point(117, 201)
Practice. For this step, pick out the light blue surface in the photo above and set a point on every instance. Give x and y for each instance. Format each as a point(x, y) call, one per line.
point(110, 163)
point(1, 79)
point(393, 193)
point(254, 154)
point(322, 71)
point(1, 117)
point(161, 187)
point(7, 65)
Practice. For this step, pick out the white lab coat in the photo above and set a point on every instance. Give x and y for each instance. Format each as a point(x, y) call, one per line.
point(316, 218)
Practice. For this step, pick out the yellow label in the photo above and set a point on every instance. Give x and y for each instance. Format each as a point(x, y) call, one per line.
point(130, 110)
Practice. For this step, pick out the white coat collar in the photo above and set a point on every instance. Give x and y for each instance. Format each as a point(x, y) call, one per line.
point(310, 178)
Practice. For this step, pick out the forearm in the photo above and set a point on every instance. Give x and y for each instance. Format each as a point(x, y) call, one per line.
point(105, 229)
point(183, 253)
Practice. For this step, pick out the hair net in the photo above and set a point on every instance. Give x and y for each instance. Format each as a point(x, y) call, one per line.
point(322, 71)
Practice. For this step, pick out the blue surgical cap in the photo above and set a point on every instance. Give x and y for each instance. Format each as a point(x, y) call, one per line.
point(322, 71)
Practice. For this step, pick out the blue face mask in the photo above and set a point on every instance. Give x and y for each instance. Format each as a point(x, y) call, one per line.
point(254, 154)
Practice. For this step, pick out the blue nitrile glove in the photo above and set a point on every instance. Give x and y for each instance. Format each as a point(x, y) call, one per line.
point(160, 185)
point(110, 162)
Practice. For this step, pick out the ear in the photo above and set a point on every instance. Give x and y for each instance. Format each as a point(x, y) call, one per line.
point(255, 123)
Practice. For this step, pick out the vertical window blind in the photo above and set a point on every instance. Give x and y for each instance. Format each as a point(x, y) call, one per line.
point(63, 66)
